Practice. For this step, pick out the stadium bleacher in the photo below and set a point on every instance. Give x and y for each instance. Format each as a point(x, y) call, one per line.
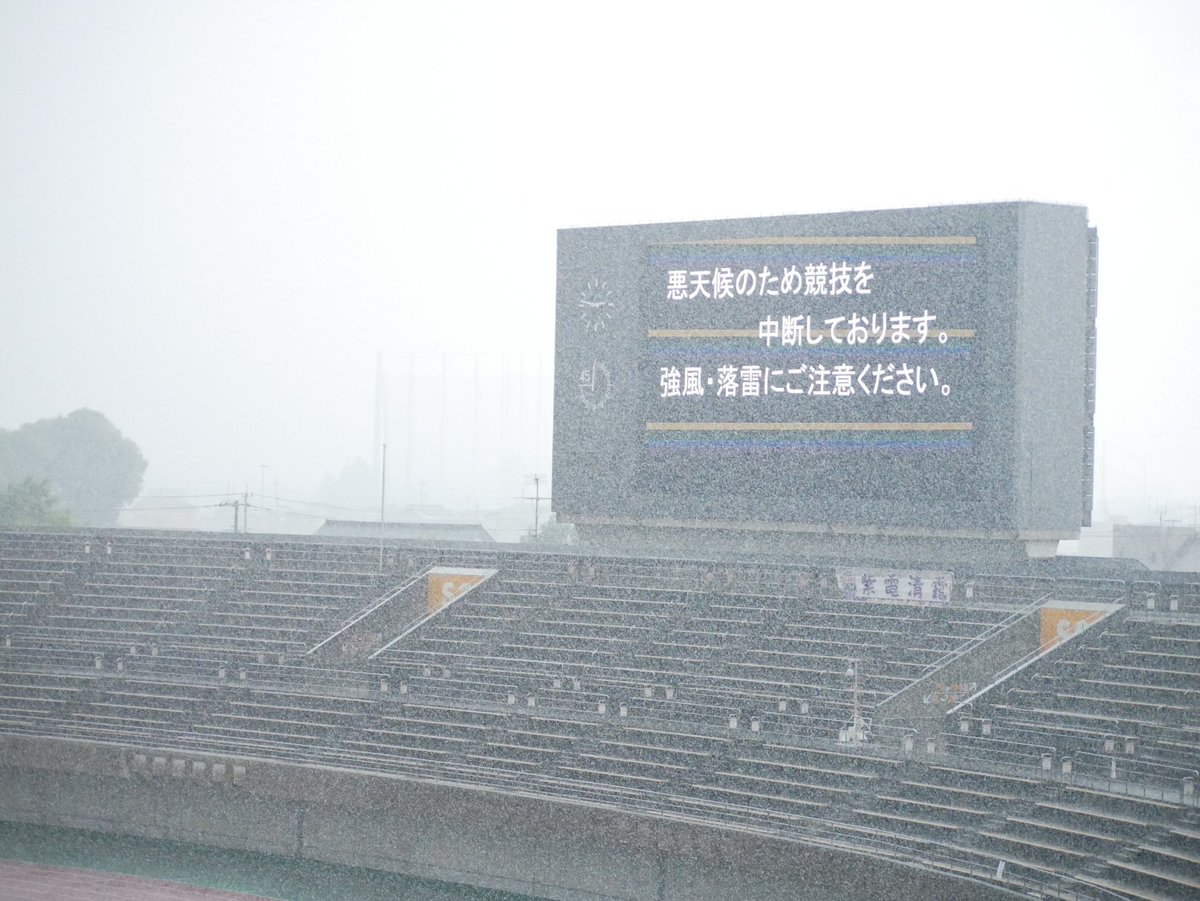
point(671, 688)
point(1122, 703)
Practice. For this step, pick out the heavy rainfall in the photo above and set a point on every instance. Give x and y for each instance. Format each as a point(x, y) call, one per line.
point(651, 451)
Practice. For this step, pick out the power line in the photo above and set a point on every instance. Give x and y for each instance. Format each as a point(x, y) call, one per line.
point(144, 509)
point(181, 496)
point(292, 500)
point(291, 512)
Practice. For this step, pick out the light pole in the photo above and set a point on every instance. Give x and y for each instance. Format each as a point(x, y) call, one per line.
point(382, 500)
point(856, 732)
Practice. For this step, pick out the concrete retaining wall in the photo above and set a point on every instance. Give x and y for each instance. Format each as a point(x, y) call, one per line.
point(519, 844)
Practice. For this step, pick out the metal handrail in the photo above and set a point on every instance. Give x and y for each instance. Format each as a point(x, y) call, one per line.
point(1012, 669)
point(368, 610)
point(989, 632)
point(967, 646)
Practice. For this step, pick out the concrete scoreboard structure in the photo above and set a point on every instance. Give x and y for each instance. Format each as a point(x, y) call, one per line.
point(905, 381)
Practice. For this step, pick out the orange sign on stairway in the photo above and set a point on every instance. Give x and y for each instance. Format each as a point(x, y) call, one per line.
point(448, 584)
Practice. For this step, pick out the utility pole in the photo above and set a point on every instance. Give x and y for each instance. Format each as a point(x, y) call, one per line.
point(536, 478)
point(245, 508)
point(235, 503)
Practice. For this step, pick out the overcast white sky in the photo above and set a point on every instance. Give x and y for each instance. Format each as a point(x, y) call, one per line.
point(212, 215)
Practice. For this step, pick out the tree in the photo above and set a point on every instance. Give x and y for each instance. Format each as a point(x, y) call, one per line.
point(355, 486)
point(30, 504)
point(91, 467)
point(552, 532)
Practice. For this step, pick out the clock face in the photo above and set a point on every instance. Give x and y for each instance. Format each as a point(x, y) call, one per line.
point(595, 385)
point(595, 305)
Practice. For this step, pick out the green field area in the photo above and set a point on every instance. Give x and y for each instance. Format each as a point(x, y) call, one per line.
point(265, 875)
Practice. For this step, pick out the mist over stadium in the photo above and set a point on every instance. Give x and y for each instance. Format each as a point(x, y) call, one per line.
point(495, 454)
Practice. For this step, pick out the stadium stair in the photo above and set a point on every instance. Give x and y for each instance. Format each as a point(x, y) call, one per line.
point(352, 638)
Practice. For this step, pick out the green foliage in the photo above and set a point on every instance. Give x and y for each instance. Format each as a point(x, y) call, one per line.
point(30, 504)
point(91, 467)
point(355, 486)
point(552, 532)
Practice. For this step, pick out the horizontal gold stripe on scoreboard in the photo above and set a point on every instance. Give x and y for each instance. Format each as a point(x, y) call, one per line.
point(751, 333)
point(809, 426)
point(826, 240)
point(702, 333)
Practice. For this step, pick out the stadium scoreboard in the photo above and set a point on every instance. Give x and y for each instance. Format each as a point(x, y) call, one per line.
point(925, 370)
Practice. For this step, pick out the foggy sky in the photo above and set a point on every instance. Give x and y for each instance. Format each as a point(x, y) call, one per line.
point(213, 216)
